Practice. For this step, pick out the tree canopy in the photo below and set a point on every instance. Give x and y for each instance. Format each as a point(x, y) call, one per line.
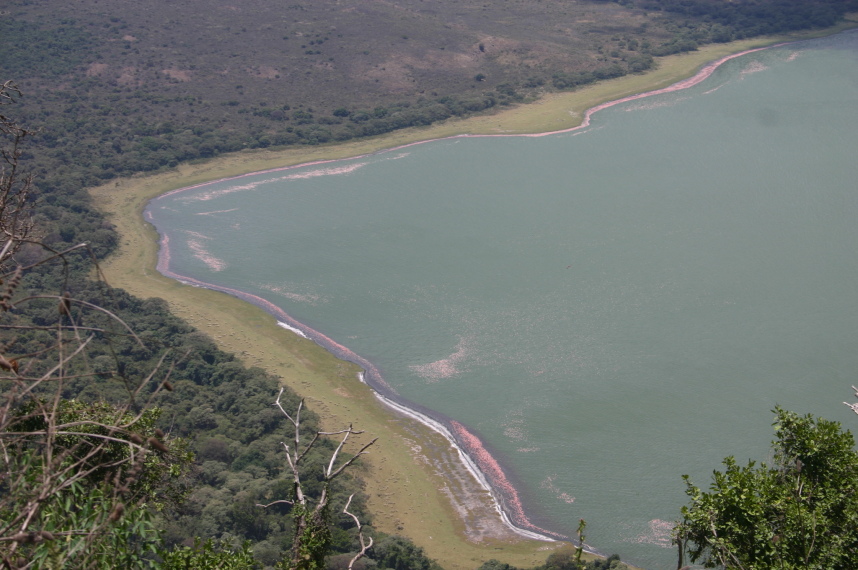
point(799, 512)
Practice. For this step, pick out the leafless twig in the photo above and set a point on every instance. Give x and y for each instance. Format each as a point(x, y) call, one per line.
point(364, 545)
point(853, 407)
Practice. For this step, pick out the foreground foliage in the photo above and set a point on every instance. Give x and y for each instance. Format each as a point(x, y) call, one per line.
point(79, 481)
point(799, 513)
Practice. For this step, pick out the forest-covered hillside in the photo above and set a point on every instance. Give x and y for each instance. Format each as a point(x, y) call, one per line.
point(123, 87)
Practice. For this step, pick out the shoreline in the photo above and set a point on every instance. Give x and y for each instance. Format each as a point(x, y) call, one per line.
point(170, 184)
point(485, 469)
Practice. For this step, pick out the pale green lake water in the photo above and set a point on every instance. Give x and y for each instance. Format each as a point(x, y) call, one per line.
point(607, 309)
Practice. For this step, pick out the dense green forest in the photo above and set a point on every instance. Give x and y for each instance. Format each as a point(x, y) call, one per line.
point(119, 88)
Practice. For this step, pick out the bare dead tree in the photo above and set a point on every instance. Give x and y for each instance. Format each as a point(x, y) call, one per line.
point(15, 206)
point(311, 514)
point(69, 471)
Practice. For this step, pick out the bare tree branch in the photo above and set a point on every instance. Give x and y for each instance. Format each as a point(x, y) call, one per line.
point(352, 460)
point(364, 545)
point(853, 407)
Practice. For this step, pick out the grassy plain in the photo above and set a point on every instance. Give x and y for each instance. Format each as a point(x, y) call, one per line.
point(408, 493)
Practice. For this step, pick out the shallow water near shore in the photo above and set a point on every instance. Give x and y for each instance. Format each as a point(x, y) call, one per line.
point(605, 309)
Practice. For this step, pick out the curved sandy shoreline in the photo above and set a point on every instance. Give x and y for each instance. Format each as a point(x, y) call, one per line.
point(483, 466)
point(702, 74)
point(476, 459)
point(127, 199)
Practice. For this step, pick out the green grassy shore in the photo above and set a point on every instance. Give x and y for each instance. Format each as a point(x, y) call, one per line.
point(409, 494)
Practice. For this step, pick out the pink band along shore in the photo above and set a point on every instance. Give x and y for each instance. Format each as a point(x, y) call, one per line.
point(700, 76)
point(489, 471)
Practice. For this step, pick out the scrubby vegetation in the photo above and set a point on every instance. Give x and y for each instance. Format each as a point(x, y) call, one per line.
point(563, 561)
